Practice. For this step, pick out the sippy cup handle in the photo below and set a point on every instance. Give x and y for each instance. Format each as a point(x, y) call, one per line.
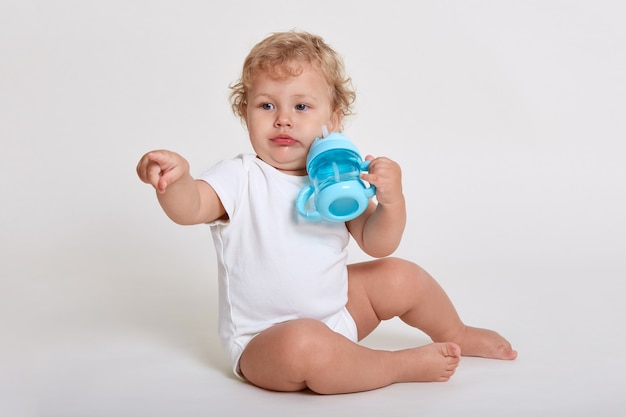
point(303, 196)
point(371, 190)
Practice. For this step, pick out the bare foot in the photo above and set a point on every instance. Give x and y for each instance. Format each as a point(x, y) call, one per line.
point(484, 343)
point(435, 362)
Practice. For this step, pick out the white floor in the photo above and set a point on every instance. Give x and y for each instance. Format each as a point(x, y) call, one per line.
point(133, 344)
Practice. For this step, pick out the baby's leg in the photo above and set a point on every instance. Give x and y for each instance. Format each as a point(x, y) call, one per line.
point(386, 288)
point(305, 353)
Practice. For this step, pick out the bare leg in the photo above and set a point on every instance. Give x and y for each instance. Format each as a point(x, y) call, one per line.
point(390, 287)
point(305, 353)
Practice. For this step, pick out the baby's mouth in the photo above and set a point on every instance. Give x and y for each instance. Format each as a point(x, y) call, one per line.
point(283, 140)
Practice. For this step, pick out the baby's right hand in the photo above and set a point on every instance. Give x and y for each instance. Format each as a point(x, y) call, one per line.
point(161, 169)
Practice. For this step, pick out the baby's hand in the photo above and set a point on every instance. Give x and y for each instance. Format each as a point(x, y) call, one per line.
point(161, 169)
point(386, 175)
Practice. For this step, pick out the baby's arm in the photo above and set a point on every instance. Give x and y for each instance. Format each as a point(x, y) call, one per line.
point(379, 229)
point(184, 199)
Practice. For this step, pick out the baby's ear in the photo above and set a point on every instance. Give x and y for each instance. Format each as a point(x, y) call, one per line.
point(336, 118)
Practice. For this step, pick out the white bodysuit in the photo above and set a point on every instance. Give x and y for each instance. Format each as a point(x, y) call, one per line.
point(273, 264)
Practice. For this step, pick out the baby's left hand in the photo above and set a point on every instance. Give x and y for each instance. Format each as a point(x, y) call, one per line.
point(386, 175)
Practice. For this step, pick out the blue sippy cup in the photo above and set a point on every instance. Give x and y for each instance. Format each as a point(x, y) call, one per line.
point(334, 166)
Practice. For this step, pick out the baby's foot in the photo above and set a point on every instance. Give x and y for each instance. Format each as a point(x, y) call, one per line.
point(484, 343)
point(435, 362)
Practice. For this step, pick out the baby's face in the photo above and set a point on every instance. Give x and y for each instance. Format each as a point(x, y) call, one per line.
point(284, 116)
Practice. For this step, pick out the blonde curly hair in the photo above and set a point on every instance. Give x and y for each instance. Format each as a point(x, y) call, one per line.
point(275, 55)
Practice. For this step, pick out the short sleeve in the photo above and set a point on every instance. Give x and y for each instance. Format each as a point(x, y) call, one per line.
point(228, 179)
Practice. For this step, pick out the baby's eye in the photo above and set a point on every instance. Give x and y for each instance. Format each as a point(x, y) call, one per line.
point(301, 107)
point(267, 106)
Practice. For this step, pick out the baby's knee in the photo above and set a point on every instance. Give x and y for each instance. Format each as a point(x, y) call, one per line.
point(301, 341)
point(403, 274)
point(399, 265)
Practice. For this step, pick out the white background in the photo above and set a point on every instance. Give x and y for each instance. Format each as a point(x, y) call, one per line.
point(507, 117)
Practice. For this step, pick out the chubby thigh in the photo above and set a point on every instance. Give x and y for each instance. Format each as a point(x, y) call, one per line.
point(340, 323)
point(282, 357)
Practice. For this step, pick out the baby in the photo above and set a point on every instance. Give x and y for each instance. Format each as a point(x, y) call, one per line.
point(291, 309)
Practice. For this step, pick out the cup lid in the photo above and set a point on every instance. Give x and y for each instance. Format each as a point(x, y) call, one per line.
point(335, 140)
